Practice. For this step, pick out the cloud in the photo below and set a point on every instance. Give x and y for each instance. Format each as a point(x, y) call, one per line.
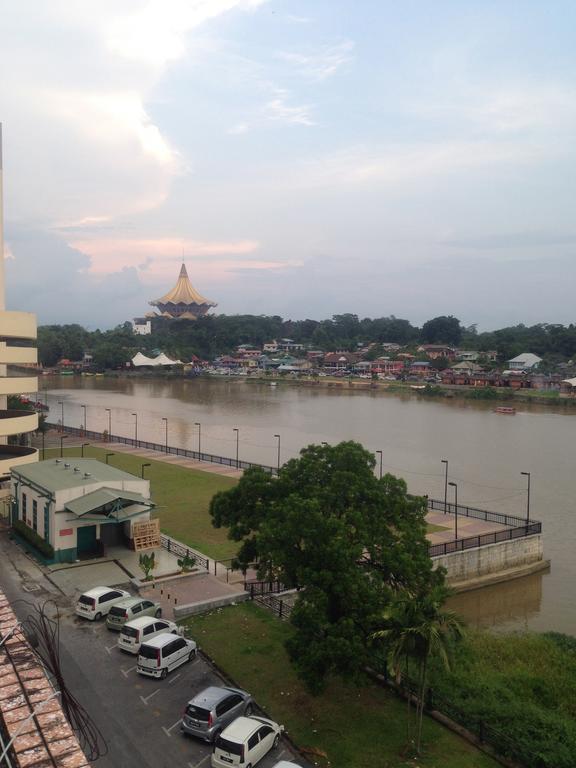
point(279, 110)
point(320, 64)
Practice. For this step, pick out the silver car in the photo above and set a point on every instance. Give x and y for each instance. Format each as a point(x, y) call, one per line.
point(213, 709)
point(131, 608)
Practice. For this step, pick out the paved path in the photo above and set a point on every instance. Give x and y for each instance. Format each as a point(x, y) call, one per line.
point(467, 526)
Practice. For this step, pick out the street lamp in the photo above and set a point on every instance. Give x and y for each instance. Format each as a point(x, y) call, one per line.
point(197, 424)
point(109, 421)
point(142, 470)
point(380, 452)
point(165, 420)
point(135, 427)
point(278, 438)
point(527, 474)
point(82, 449)
point(108, 456)
point(61, 403)
point(84, 407)
point(235, 429)
point(445, 461)
point(62, 438)
point(456, 507)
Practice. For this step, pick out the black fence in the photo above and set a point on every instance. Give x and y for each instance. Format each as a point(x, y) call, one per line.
point(495, 537)
point(209, 458)
point(176, 548)
point(277, 605)
point(257, 588)
point(512, 521)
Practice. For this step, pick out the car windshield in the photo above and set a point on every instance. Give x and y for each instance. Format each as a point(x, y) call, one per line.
point(130, 632)
point(148, 652)
point(85, 600)
point(198, 713)
point(117, 611)
point(229, 746)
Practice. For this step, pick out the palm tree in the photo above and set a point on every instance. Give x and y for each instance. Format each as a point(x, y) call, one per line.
point(418, 629)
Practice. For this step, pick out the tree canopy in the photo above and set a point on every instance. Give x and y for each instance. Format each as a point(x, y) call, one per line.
point(349, 541)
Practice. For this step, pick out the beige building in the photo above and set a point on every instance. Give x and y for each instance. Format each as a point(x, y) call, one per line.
point(17, 347)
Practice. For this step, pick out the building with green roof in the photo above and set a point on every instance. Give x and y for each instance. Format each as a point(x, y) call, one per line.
point(79, 506)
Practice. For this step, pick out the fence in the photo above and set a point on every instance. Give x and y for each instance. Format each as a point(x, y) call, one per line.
point(176, 548)
point(480, 514)
point(258, 588)
point(209, 458)
point(473, 542)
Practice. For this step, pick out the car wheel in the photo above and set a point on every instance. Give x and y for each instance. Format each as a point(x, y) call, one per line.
point(276, 741)
point(163, 674)
point(98, 616)
point(192, 655)
point(158, 613)
point(248, 710)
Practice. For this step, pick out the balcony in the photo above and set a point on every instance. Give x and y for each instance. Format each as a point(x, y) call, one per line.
point(14, 422)
point(15, 456)
point(17, 325)
point(18, 385)
point(18, 355)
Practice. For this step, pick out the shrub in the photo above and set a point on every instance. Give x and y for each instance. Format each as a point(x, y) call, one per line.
point(187, 562)
point(147, 563)
point(33, 538)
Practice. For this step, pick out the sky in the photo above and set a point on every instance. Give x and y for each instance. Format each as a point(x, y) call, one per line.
point(305, 157)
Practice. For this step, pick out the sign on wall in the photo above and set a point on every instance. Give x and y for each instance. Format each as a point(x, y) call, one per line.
point(66, 531)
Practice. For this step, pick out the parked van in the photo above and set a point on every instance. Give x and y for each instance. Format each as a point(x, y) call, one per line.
point(131, 608)
point(139, 631)
point(211, 710)
point(164, 653)
point(245, 742)
point(97, 602)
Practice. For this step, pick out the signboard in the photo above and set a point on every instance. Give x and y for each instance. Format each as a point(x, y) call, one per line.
point(66, 531)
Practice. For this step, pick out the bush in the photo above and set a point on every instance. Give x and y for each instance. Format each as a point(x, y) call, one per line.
point(33, 538)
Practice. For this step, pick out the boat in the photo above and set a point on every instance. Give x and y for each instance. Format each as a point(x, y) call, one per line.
point(505, 409)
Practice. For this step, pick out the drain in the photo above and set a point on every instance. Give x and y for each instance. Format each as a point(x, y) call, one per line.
point(31, 587)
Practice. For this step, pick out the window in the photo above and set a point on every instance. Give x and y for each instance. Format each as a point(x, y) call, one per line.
point(160, 625)
point(265, 731)
point(47, 522)
point(253, 740)
point(147, 604)
point(224, 706)
point(148, 630)
point(34, 514)
point(24, 506)
point(137, 608)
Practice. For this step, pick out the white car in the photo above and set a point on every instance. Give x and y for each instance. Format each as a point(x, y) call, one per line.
point(164, 653)
point(96, 603)
point(140, 630)
point(285, 764)
point(245, 742)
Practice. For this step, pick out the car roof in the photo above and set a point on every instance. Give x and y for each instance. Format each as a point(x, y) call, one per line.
point(128, 602)
point(243, 727)
point(143, 621)
point(97, 591)
point(161, 640)
point(212, 695)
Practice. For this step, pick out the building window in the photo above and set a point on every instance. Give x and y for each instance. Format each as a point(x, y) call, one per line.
point(34, 514)
point(47, 522)
point(24, 500)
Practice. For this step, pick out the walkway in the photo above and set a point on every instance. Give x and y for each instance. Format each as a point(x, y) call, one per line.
point(467, 526)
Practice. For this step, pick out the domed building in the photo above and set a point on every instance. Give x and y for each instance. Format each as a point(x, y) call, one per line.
point(183, 302)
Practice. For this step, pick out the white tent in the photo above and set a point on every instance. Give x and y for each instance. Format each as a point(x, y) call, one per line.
point(163, 359)
point(139, 360)
point(571, 382)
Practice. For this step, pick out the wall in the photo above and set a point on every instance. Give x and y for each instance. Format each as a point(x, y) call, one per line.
point(491, 559)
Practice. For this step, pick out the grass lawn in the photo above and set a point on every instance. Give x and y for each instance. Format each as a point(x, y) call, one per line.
point(182, 497)
point(354, 727)
point(432, 528)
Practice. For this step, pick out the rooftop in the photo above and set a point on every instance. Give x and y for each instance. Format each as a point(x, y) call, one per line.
point(58, 474)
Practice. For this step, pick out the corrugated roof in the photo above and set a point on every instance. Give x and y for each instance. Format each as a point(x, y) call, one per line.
point(91, 501)
point(58, 474)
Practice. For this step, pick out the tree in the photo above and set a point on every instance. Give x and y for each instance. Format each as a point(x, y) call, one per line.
point(348, 541)
point(417, 629)
point(442, 330)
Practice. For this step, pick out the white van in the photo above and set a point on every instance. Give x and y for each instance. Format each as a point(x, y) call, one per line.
point(245, 742)
point(97, 602)
point(164, 653)
point(140, 630)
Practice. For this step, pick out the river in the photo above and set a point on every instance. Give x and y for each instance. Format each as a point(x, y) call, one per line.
point(486, 453)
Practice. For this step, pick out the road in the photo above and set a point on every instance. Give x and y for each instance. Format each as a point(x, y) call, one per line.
point(138, 717)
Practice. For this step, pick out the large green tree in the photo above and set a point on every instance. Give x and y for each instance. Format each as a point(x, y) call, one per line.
point(349, 541)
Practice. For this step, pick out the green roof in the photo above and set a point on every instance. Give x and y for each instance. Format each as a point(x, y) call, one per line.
point(101, 497)
point(58, 474)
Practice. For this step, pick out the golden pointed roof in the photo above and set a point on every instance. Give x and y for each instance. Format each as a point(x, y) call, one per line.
point(183, 293)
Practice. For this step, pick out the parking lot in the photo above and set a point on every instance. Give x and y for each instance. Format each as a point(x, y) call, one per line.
point(141, 721)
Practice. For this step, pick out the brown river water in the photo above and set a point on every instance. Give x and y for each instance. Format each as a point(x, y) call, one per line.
point(486, 453)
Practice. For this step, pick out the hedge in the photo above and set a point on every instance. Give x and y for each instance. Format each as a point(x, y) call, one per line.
point(33, 538)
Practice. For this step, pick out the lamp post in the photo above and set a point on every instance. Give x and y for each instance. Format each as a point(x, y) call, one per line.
point(380, 452)
point(62, 438)
point(165, 420)
point(84, 407)
point(527, 474)
point(445, 462)
point(109, 422)
point(235, 429)
point(278, 438)
point(82, 449)
point(197, 424)
point(142, 470)
point(456, 513)
point(135, 427)
point(108, 456)
point(61, 404)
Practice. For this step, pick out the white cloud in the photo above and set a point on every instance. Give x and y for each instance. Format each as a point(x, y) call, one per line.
point(279, 110)
point(323, 63)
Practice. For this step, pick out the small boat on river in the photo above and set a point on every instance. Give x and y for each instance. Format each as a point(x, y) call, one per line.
point(505, 409)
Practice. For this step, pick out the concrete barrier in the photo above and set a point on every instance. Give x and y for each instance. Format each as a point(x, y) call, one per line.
point(203, 606)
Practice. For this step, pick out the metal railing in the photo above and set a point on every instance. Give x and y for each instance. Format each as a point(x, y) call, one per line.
point(495, 537)
point(512, 521)
point(277, 605)
point(177, 548)
point(209, 458)
point(256, 588)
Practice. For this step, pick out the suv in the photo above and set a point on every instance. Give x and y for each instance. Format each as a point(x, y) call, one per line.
point(131, 608)
point(97, 602)
point(213, 709)
point(245, 741)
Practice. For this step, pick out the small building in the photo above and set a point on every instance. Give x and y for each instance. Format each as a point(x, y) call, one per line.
point(270, 346)
point(142, 326)
point(386, 366)
point(524, 362)
point(79, 506)
point(340, 361)
point(434, 351)
point(421, 368)
point(467, 355)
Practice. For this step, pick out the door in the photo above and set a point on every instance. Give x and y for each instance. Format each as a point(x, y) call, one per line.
point(86, 541)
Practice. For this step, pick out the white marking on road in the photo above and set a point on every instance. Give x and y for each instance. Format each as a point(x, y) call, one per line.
point(281, 755)
point(144, 700)
point(173, 679)
point(167, 730)
point(111, 647)
point(201, 761)
point(126, 672)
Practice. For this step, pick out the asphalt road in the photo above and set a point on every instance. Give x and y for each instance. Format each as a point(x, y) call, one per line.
point(139, 717)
